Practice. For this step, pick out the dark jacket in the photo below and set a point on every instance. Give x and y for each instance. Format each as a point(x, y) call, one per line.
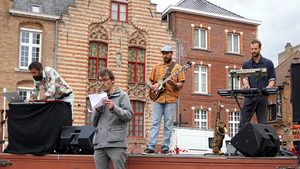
point(111, 126)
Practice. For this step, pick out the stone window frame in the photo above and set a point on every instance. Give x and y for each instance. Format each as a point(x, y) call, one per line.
point(88, 113)
point(119, 3)
point(208, 36)
point(233, 124)
point(200, 80)
point(136, 122)
point(97, 59)
point(200, 120)
point(30, 45)
point(240, 41)
point(25, 90)
point(137, 63)
point(272, 112)
point(229, 78)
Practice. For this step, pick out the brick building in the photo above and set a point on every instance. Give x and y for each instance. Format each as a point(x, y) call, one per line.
point(27, 33)
point(77, 38)
point(280, 107)
point(125, 36)
point(217, 41)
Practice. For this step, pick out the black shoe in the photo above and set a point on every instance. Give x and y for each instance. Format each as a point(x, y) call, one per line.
point(148, 151)
point(167, 152)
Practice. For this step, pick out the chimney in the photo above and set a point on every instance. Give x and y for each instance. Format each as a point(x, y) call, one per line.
point(288, 50)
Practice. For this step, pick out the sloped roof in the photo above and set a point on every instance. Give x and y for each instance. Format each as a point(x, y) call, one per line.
point(282, 69)
point(204, 5)
point(50, 7)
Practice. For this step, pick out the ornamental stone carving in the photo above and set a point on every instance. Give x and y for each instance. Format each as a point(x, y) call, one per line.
point(137, 90)
point(93, 86)
point(137, 38)
point(97, 31)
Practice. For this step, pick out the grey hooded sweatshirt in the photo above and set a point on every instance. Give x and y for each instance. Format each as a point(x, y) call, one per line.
point(111, 126)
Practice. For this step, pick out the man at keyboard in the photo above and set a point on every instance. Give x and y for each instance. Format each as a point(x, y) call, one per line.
point(54, 86)
point(258, 104)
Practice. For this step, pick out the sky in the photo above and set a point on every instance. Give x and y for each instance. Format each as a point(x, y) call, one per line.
point(280, 21)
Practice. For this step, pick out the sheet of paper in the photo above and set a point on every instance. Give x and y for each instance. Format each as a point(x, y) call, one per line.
point(97, 99)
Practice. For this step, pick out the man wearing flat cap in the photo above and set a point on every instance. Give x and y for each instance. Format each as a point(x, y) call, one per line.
point(165, 100)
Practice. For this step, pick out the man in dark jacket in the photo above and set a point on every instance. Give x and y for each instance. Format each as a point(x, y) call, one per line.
point(258, 104)
point(110, 121)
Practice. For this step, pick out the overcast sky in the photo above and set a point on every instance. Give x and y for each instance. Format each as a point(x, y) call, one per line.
point(280, 21)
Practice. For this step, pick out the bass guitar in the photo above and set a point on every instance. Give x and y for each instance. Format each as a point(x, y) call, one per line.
point(154, 95)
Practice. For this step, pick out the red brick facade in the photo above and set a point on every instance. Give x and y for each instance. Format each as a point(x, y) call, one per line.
point(217, 59)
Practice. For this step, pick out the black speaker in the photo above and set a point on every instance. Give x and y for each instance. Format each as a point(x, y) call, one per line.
point(256, 140)
point(295, 90)
point(76, 140)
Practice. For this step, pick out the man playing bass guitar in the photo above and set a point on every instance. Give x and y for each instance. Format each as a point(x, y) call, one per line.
point(165, 100)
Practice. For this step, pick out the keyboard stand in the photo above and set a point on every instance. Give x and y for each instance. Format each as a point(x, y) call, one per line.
point(258, 77)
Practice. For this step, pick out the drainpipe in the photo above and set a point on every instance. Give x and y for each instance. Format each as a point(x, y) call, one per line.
point(178, 103)
point(55, 47)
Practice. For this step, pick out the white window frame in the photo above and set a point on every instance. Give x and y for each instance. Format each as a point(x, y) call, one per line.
point(235, 81)
point(118, 11)
point(35, 8)
point(231, 43)
point(27, 90)
point(234, 120)
point(201, 81)
point(29, 45)
point(201, 122)
point(203, 46)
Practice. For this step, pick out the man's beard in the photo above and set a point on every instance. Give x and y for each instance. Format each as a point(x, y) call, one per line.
point(257, 54)
point(167, 60)
point(39, 77)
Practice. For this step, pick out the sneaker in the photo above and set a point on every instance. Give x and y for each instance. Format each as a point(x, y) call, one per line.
point(166, 152)
point(148, 151)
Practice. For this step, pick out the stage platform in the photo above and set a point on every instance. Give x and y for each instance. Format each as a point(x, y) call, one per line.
point(158, 161)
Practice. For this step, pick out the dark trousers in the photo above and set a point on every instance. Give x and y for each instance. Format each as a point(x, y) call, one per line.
point(247, 110)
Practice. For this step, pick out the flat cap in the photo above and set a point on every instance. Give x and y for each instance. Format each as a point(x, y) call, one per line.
point(167, 49)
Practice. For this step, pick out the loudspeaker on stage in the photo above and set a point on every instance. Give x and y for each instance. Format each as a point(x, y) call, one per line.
point(257, 140)
point(295, 90)
point(76, 140)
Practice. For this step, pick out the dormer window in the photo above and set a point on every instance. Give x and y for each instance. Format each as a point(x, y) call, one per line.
point(35, 8)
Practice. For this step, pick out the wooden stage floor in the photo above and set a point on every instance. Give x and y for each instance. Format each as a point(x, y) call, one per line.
point(158, 161)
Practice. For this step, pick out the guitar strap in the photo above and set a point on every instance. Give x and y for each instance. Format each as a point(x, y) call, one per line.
point(169, 70)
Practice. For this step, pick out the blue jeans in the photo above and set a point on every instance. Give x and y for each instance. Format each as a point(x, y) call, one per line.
point(159, 109)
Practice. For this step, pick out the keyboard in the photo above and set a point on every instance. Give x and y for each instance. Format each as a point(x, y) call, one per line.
point(250, 72)
point(247, 92)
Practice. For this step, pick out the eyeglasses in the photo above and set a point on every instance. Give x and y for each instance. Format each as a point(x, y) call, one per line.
point(104, 80)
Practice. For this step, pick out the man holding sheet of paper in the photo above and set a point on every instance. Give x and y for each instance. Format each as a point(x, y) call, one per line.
point(111, 112)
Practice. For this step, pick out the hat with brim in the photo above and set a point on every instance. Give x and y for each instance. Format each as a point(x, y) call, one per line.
point(166, 49)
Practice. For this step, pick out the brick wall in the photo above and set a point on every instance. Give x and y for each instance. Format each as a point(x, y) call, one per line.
point(10, 26)
point(73, 45)
point(13, 77)
point(215, 58)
